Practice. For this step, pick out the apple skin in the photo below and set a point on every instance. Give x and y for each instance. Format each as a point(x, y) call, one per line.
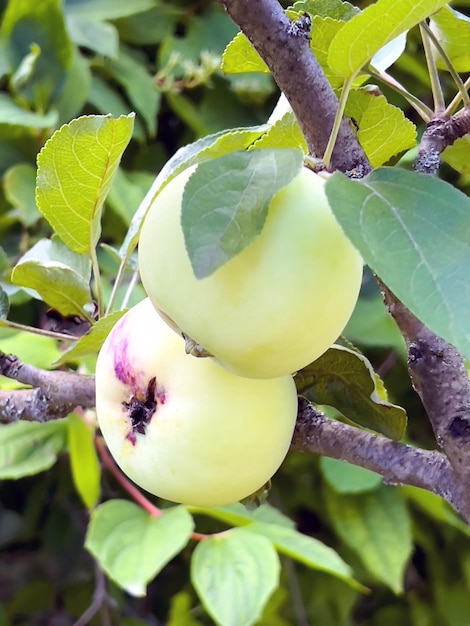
point(276, 306)
point(213, 438)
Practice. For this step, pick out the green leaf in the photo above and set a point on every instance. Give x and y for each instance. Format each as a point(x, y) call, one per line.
point(345, 380)
point(346, 478)
point(234, 574)
point(83, 460)
point(435, 507)
point(452, 30)
point(100, 37)
point(13, 115)
point(29, 447)
point(203, 149)
point(18, 184)
point(60, 277)
point(76, 89)
point(180, 613)
point(138, 84)
point(240, 57)
point(127, 192)
point(75, 172)
point(335, 9)
point(150, 26)
point(33, 349)
point(284, 133)
point(238, 515)
point(458, 155)
point(27, 22)
point(383, 129)
point(413, 230)
point(366, 33)
point(92, 341)
point(100, 10)
point(226, 200)
point(305, 549)
point(371, 325)
point(377, 527)
point(131, 545)
point(4, 304)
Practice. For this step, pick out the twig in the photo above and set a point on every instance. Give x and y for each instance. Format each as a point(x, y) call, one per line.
point(440, 133)
point(54, 393)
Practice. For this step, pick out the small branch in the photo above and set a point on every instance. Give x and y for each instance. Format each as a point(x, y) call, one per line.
point(31, 405)
point(54, 393)
point(440, 133)
point(396, 462)
point(285, 49)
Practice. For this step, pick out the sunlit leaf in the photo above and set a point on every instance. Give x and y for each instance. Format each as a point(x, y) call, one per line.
point(75, 171)
point(378, 24)
point(239, 57)
point(452, 29)
point(383, 130)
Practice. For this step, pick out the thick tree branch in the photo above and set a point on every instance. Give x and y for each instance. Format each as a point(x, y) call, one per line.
point(398, 463)
point(440, 133)
point(440, 378)
point(285, 49)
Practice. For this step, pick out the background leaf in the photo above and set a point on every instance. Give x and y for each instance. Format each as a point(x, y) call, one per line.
point(234, 574)
point(377, 527)
point(452, 29)
point(29, 447)
point(346, 478)
point(83, 460)
point(131, 545)
point(19, 183)
point(25, 23)
point(413, 230)
point(75, 172)
point(383, 129)
point(225, 203)
point(307, 550)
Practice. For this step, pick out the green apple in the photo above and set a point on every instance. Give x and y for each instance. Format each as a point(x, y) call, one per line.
point(186, 429)
point(276, 306)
